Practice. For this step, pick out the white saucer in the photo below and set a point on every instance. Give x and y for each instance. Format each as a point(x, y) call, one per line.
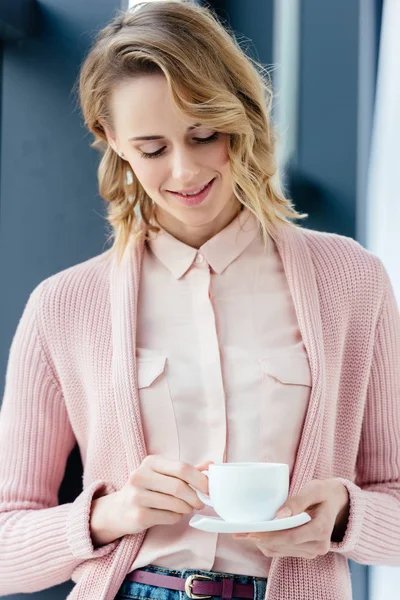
point(218, 525)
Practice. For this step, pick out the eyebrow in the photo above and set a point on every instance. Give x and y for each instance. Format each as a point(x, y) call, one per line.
point(158, 137)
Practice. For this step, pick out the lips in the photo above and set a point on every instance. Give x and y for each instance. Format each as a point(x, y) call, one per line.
point(195, 199)
point(191, 190)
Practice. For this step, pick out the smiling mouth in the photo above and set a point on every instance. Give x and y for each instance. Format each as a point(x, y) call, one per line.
point(195, 192)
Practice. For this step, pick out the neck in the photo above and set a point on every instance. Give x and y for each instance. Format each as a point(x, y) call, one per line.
point(197, 236)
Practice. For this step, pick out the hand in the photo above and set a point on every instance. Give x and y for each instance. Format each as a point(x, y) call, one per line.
point(327, 503)
point(157, 493)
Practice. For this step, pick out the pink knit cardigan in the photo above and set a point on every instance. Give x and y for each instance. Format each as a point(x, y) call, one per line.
point(71, 376)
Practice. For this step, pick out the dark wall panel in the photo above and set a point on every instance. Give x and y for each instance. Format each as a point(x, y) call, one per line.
point(327, 152)
point(253, 20)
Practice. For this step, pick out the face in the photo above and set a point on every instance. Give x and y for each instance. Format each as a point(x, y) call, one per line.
point(184, 157)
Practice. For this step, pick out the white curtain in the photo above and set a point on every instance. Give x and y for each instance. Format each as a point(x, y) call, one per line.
point(383, 206)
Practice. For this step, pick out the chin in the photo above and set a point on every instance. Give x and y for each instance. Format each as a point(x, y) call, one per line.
point(197, 217)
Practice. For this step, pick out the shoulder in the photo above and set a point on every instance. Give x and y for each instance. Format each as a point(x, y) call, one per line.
point(72, 291)
point(342, 264)
point(333, 247)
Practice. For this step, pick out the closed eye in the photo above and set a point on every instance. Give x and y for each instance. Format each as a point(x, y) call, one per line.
point(206, 140)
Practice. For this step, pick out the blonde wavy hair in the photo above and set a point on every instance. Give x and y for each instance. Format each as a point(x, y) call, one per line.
point(211, 80)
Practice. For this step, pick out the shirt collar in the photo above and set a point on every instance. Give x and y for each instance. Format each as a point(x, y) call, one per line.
point(219, 251)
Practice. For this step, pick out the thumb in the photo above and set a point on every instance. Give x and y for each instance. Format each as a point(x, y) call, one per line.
point(285, 511)
point(312, 493)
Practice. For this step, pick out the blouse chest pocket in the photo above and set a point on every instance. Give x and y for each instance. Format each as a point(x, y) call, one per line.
point(286, 386)
point(289, 370)
point(156, 406)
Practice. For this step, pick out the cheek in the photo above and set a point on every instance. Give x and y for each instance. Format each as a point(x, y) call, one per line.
point(220, 155)
point(218, 160)
point(222, 164)
point(148, 173)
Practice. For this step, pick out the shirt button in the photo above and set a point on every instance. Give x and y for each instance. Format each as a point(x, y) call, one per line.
point(199, 258)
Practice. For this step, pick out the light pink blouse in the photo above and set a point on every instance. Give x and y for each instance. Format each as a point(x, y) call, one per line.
point(223, 374)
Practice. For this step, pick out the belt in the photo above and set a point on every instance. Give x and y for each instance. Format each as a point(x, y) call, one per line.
point(195, 586)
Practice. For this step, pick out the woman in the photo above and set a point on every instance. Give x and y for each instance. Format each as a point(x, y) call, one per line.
point(214, 329)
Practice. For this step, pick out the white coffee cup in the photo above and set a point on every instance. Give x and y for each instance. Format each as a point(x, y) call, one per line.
point(246, 492)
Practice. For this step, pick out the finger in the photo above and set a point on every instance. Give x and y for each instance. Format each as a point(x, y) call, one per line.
point(157, 500)
point(313, 531)
point(181, 470)
point(204, 465)
point(310, 551)
point(319, 548)
point(314, 492)
point(175, 487)
point(172, 477)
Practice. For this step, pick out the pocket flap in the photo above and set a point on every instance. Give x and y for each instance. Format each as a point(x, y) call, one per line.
point(149, 369)
point(288, 369)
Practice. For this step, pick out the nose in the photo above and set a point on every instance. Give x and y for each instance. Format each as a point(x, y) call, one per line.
point(184, 167)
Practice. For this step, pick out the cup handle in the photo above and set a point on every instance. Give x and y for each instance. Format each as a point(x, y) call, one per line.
point(203, 497)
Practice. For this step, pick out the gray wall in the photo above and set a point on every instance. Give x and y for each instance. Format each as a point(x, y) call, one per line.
point(51, 214)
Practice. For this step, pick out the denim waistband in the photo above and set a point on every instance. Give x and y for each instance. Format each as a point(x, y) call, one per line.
point(143, 591)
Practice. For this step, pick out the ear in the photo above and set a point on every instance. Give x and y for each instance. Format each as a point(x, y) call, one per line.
point(110, 138)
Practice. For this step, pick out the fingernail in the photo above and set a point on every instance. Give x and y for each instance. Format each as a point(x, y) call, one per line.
point(284, 512)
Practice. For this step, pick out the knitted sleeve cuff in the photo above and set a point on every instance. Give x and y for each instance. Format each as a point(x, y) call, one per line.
point(357, 508)
point(78, 532)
